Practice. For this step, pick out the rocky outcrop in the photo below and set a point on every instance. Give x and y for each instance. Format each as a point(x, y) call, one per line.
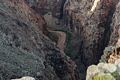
point(51, 10)
point(93, 26)
point(58, 37)
point(102, 72)
point(111, 53)
point(108, 66)
point(94, 29)
point(115, 33)
point(36, 35)
point(25, 50)
point(114, 42)
point(77, 18)
point(45, 6)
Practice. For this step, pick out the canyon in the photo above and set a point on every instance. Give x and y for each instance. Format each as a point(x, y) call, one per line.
point(55, 39)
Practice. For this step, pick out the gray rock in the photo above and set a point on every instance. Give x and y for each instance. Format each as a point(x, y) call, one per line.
point(25, 50)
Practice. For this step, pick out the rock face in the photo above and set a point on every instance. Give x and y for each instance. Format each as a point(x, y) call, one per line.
point(115, 29)
point(45, 6)
point(36, 35)
point(114, 41)
point(52, 10)
point(92, 27)
point(91, 31)
point(25, 50)
point(111, 53)
point(104, 71)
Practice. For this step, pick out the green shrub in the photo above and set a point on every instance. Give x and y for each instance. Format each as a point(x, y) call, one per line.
point(102, 76)
point(116, 75)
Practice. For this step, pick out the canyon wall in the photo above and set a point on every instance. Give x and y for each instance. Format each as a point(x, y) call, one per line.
point(37, 36)
point(25, 50)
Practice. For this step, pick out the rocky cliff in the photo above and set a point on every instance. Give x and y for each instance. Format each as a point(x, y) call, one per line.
point(55, 39)
point(25, 50)
point(93, 27)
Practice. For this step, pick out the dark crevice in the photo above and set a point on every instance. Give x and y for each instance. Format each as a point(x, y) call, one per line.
point(106, 23)
point(107, 32)
point(61, 9)
point(105, 17)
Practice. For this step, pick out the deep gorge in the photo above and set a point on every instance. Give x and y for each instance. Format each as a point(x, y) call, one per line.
point(55, 39)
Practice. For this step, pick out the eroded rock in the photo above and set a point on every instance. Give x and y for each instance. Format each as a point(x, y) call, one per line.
point(25, 50)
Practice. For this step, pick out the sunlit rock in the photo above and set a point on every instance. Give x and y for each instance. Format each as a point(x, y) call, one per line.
point(25, 78)
point(117, 62)
point(100, 66)
point(109, 68)
point(118, 42)
point(92, 71)
point(107, 51)
point(118, 68)
point(103, 76)
point(94, 5)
